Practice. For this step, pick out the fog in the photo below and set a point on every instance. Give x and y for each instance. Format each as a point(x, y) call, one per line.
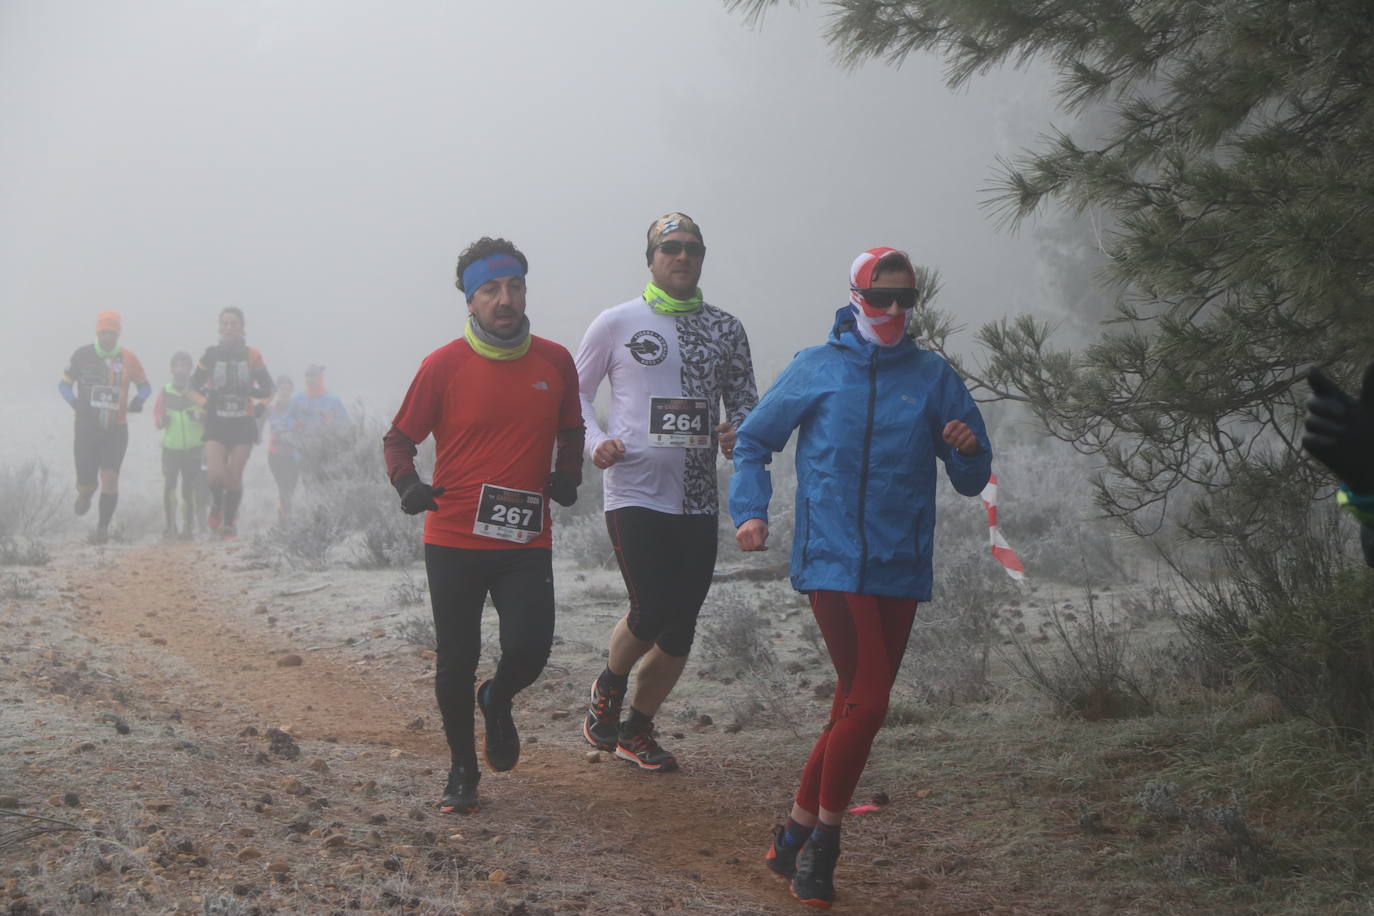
point(321, 164)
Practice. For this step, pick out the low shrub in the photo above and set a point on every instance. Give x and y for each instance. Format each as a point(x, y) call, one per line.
point(1293, 615)
point(29, 553)
point(1087, 668)
point(31, 504)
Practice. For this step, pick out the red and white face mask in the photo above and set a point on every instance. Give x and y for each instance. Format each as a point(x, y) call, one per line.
point(875, 324)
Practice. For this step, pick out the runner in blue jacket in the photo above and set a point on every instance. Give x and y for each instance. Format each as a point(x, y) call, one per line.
point(874, 413)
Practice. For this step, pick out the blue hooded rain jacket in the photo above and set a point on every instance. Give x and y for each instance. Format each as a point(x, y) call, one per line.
point(871, 420)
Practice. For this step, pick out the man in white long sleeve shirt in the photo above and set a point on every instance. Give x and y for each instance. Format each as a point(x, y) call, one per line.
point(672, 360)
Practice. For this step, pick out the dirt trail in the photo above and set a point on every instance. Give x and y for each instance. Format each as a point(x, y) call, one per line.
point(201, 653)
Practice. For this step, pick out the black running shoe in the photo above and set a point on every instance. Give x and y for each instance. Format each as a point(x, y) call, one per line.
point(639, 747)
point(460, 793)
point(501, 745)
point(83, 503)
point(814, 882)
point(601, 727)
point(781, 858)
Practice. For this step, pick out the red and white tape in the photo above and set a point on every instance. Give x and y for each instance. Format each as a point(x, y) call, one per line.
point(1001, 550)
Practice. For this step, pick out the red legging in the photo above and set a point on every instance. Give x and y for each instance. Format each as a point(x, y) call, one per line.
point(866, 636)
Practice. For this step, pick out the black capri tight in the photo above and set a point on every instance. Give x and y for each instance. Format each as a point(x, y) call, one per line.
point(520, 582)
point(667, 561)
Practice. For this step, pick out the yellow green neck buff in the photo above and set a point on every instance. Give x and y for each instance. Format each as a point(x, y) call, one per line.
point(665, 304)
point(493, 347)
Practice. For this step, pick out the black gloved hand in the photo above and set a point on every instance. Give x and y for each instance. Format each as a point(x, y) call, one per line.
point(1339, 430)
point(416, 496)
point(561, 490)
point(136, 404)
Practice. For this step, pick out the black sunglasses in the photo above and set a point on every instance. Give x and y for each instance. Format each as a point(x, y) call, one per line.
point(672, 248)
point(882, 297)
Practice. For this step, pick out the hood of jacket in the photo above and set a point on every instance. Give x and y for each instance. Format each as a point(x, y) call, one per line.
point(845, 337)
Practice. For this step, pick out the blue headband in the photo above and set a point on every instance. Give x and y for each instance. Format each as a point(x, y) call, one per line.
point(490, 268)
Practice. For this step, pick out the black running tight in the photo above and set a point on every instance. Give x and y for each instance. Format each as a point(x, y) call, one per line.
point(520, 582)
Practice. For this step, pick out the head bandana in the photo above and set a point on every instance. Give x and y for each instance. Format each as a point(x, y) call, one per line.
point(876, 325)
point(491, 267)
point(665, 225)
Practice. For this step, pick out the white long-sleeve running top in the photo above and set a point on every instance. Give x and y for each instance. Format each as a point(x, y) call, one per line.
point(669, 376)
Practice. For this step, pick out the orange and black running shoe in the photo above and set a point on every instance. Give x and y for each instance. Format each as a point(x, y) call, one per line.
point(814, 882)
point(640, 748)
point(781, 858)
point(601, 727)
point(460, 793)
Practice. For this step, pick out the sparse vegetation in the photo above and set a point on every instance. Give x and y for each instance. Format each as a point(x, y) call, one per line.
point(1086, 666)
point(17, 589)
point(408, 591)
point(31, 504)
point(29, 553)
point(345, 511)
point(1295, 618)
point(418, 630)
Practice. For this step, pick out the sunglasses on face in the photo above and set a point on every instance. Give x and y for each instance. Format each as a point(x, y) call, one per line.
point(883, 297)
point(674, 248)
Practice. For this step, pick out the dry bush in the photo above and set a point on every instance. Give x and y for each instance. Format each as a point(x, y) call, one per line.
point(30, 553)
point(407, 590)
point(953, 635)
point(346, 500)
point(1087, 668)
point(418, 630)
point(31, 504)
point(733, 633)
point(1293, 616)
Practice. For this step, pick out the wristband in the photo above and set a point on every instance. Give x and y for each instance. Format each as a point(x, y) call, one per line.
point(1362, 507)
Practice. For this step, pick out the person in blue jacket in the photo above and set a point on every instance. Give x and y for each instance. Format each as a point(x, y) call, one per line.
point(874, 412)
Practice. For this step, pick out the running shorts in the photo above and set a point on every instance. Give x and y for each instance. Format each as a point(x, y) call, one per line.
point(231, 432)
point(98, 450)
point(181, 461)
point(667, 561)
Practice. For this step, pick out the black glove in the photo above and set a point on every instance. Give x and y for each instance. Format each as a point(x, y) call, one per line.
point(136, 404)
point(1339, 431)
point(561, 490)
point(416, 496)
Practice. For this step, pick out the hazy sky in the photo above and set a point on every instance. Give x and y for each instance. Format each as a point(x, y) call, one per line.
point(320, 164)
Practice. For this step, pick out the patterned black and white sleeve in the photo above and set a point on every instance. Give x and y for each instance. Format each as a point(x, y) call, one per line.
point(739, 392)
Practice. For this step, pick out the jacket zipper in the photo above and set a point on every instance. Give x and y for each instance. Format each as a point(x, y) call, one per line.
point(863, 471)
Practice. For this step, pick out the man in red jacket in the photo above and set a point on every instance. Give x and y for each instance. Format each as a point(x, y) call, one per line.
point(497, 400)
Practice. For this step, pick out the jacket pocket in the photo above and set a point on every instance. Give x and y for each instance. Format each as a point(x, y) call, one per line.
point(804, 528)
